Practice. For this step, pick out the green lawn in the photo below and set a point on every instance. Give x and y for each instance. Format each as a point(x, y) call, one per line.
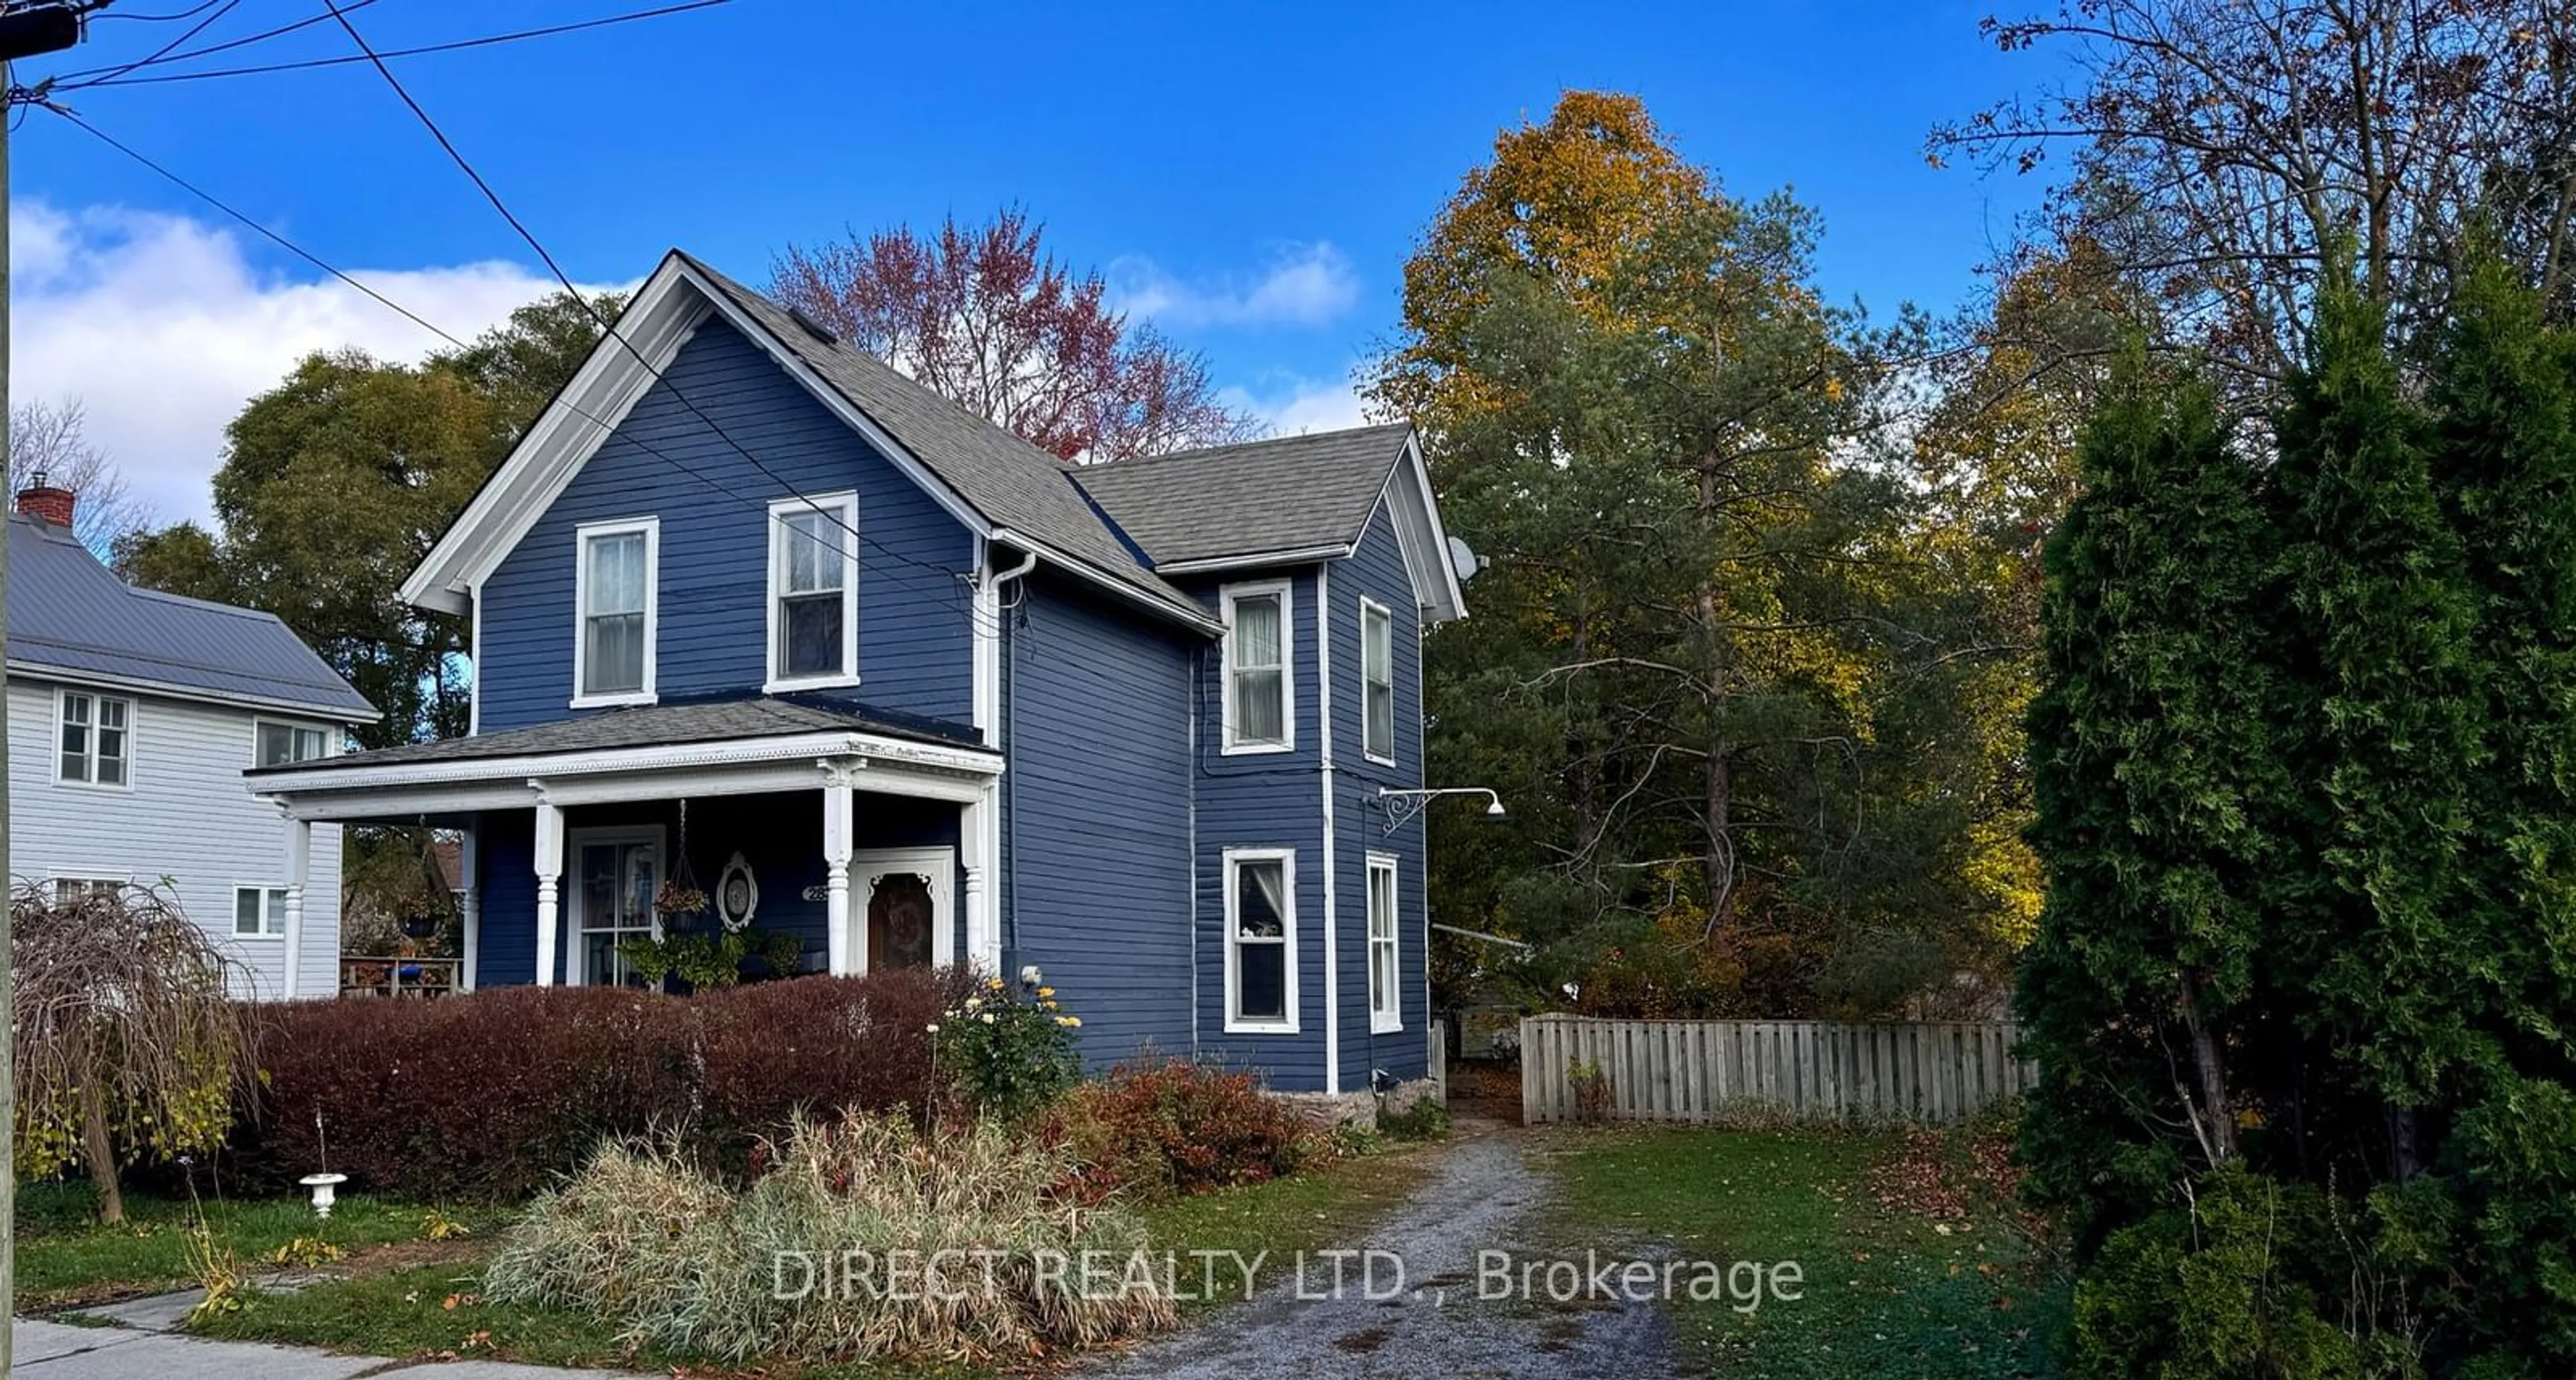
point(1888, 1290)
point(66, 1258)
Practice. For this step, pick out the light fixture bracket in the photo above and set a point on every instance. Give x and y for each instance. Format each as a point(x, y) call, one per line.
point(1402, 806)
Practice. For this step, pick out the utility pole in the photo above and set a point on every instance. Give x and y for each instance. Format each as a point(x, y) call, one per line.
point(25, 31)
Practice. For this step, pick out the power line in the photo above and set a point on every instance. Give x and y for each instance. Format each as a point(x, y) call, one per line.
point(101, 11)
point(946, 585)
point(165, 49)
point(67, 80)
point(486, 41)
point(606, 326)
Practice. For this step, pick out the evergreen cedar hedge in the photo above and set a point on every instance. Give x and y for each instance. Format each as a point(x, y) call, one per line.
point(497, 1094)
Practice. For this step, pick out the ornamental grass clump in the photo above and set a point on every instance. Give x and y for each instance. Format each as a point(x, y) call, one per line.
point(865, 1240)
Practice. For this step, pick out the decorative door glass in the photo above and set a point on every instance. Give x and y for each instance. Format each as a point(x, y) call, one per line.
point(900, 917)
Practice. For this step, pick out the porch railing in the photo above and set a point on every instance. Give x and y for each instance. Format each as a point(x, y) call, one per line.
point(363, 976)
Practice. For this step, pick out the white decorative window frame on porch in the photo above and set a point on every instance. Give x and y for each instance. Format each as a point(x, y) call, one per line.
point(836, 763)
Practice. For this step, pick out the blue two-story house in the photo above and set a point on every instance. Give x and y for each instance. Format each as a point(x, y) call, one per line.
point(751, 606)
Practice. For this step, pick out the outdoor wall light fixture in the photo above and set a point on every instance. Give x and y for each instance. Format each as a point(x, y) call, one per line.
point(1402, 806)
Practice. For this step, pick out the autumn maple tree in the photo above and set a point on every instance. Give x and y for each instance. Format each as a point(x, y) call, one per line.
point(984, 316)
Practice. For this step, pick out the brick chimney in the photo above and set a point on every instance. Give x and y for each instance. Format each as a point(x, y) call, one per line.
point(44, 502)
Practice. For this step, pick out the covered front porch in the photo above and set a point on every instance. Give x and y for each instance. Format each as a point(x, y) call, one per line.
point(869, 842)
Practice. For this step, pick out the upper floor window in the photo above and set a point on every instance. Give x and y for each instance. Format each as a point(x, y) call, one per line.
point(95, 737)
point(283, 745)
point(814, 591)
point(1377, 682)
point(614, 591)
point(1259, 646)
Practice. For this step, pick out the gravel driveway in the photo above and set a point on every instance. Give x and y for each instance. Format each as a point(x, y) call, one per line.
point(1479, 1195)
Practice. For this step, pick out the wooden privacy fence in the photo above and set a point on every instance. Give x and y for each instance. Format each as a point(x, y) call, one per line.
point(1933, 1071)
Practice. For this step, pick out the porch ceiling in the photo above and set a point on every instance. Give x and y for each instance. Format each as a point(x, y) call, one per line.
point(655, 753)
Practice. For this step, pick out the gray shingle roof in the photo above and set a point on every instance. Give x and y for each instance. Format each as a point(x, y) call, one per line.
point(1012, 483)
point(660, 725)
point(1295, 493)
point(69, 613)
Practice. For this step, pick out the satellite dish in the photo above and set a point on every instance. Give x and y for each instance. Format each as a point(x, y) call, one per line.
point(1464, 560)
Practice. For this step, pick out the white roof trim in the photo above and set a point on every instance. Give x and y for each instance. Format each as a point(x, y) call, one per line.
point(100, 680)
point(1416, 513)
point(556, 766)
point(1304, 555)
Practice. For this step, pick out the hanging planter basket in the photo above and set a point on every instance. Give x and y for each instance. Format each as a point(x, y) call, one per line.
point(681, 896)
point(420, 926)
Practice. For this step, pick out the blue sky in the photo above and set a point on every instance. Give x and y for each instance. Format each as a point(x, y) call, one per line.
point(1251, 176)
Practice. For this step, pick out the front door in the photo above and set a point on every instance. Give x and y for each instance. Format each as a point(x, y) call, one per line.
point(616, 874)
point(903, 897)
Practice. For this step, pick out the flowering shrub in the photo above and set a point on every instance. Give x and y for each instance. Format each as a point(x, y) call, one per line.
point(1007, 1056)
point(1158, 1129)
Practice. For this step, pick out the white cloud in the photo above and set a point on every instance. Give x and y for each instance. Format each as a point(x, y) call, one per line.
point(1305, 285)
point(1300, 405)
point(162, 327)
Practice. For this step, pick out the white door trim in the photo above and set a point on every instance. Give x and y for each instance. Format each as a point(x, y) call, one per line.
point(939, 864)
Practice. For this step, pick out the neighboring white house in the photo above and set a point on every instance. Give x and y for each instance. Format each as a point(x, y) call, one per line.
point(132, 716)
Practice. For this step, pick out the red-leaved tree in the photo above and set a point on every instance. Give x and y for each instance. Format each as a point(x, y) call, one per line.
point(985, 317)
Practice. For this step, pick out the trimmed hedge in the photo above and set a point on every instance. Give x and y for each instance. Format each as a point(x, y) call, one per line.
point(498, 1094)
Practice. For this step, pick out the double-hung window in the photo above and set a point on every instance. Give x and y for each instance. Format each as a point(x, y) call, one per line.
point(1260, 703)
point(95, 732)
point(614, 591)
point(283, 745)
point(1386, 996)
point(259, 912)
point(814, 591)
point(1377, 682)
point(1261, 940)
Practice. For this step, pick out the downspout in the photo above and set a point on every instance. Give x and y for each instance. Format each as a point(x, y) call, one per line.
point(1010, 859)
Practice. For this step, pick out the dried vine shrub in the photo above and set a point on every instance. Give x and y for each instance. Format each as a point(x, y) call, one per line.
point(129, 1044)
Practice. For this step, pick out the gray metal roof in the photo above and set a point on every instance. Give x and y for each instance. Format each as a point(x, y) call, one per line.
point(1012, 483)
point(1294, 493)
point(660, 725)
point(69, 613)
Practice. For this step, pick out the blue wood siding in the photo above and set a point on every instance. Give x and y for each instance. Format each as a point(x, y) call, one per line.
point(779, 834)
point(1376, 571)
point(915, 638)
point(1264, 800)
point(1098, 816)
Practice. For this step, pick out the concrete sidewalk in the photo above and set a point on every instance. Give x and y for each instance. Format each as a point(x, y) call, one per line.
point(60, 1351)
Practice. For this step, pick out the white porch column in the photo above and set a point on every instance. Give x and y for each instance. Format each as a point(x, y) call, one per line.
point(299, 866)
point(971, 820)
point(841, 948)
point(549, 858)
point(469, 907)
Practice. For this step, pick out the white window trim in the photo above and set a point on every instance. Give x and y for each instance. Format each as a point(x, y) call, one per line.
point(1226, 597)
point(1385, 1022)
point(1287, 860)
point(847, 501)
point(570, 904)
point(330, 736)
point(651, 527)
point(133, 712)
point(232, 925)
point(1367, 607)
